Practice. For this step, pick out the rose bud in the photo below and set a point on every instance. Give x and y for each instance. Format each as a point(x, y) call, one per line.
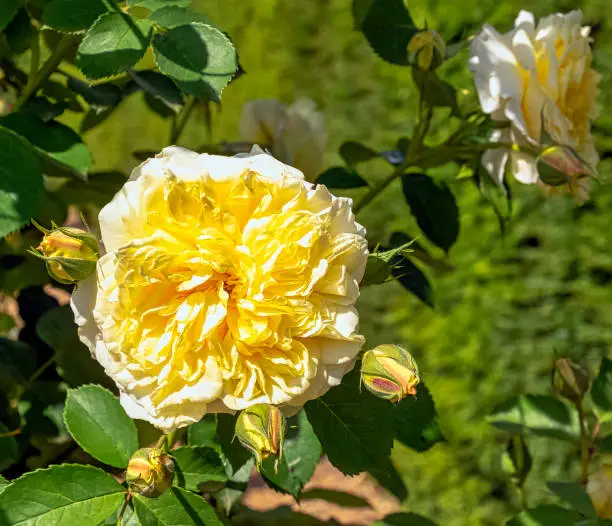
point(150, 472)
point(261, 430)
point(389, 372)
point(70, 253)
point(429, 48)
point(561, 164)
point(570, 380)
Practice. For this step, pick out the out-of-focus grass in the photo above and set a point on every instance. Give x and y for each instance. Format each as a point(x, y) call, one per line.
point(512, 301)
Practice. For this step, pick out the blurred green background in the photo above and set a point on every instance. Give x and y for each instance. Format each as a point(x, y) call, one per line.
point(510, 304)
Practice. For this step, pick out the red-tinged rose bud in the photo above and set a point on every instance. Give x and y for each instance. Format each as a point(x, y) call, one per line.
point(261, 429)
point(150, 472)
point(70, 254)
point(389, 372)
point(429, 49)
point(570, 380)
point(559, 165)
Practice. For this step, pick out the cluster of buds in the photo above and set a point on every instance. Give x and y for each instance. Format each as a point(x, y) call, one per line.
point(70, 254)
point(150, 472)
point(389, 372)
point(428, 49)
point(570, 380)
point(261, 429)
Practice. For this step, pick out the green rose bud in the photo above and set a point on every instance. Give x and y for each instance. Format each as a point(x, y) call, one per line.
point(150, 472)
point(70, 253)
point(261, 430)
point(389, 372)
point(429, 49)
point(570, 380)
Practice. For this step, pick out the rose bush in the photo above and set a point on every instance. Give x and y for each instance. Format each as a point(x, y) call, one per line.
point(227, 282)
point(538, 79)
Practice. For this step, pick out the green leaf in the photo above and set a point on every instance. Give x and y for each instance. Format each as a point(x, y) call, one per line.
point(160, 87)
point(20, 32)
point(66, 494)
point(434, 207)
point(173, 16)
point(115, 43)
point(176, 507)
point(99, 96)
point(204, 432)
point(95, 419)
point(199, 58)
point(72, 15)
point(17, 365)
point(354, 427)
point(605, 444)
point(412, 279)
point(538, 415)
point(301, 454)
point(389, 478)
point(236, 455)
point(52, 139)
point(388, 27)
point(354, 153)
point(601, 392)
point(98, 190)
point(196, 465)
point(404, 519)
point(573, 494)
point(9, 451)
point(57, 329)
point(516, 460)
point(3, 483)
point(546, 515)
point(154, 5)
point(415, 421)
point(21, 183)
point(436, 92)
point(341, 178)
point(8, 9)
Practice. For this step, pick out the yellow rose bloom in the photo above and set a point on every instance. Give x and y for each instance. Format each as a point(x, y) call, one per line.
point(227, 282)
point(294, 135)
point(535, 78)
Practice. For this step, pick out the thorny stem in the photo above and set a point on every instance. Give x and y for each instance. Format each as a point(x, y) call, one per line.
point(34, 63)
point(38, 78)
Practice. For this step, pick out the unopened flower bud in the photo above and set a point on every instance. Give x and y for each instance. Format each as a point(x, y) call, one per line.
point(70, 253)
point(150, 472)
point(558, 165)
point(8, 98)
point(599, 489)
point(261, 429)
point(389, 372)
point(429, 49)
point(570, 380)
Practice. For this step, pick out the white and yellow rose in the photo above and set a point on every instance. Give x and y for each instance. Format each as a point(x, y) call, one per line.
point(294, 135)
point(227, 282)
point(535, 78)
